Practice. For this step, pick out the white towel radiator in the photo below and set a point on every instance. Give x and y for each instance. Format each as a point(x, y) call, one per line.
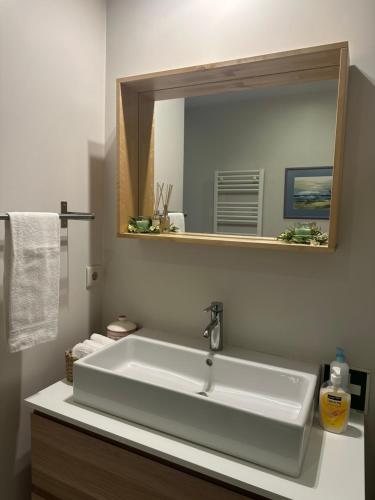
point(238, 202)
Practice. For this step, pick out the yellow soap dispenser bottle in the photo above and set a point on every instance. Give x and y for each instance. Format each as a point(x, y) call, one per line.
point(334, 403)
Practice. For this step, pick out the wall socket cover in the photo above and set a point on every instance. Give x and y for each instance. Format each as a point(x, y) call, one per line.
point(359, 382)
point(93, 275)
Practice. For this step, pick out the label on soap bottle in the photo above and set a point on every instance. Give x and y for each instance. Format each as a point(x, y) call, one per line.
point(334, 410)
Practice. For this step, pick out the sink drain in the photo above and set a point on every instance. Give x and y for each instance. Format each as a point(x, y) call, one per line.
point(202, 393)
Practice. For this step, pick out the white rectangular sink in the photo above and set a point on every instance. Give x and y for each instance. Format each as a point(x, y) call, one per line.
point(251, 410)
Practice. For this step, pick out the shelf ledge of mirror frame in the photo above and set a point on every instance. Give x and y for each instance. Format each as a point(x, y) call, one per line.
point(229, 240)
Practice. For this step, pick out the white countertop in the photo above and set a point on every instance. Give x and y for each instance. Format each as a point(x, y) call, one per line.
point(333, 467)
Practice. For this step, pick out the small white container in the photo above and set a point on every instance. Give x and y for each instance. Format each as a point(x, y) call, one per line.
point(120, 328)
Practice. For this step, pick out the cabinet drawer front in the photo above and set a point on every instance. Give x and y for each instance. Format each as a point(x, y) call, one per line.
point(69, 464)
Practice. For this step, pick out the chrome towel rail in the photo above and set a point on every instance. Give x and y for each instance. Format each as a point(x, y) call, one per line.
point(64, 215)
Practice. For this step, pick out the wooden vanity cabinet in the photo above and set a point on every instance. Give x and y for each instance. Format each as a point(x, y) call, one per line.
point(69, 463)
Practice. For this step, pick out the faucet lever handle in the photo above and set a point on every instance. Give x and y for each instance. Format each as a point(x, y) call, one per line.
point(207, 309)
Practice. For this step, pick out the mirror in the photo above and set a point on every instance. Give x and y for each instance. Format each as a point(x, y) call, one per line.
point(251, 146)
point(250, 162)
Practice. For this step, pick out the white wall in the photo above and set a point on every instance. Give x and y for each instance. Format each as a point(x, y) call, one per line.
point(169, 122)
point(293, 305)
point(270, 129)
point(52, 60)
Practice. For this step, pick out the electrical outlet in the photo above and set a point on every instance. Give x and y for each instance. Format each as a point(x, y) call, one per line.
point(359, 381)
point(93, 276)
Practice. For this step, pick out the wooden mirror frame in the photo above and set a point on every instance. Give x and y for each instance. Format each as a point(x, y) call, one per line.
point(135, 109)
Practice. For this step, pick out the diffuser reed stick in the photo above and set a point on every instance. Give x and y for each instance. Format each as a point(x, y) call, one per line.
point(165, 221)
point(158, 197)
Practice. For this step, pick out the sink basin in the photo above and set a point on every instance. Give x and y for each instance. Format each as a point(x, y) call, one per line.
point(249, 409)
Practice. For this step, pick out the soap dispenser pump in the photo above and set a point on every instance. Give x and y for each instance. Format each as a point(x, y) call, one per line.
point(341, 363)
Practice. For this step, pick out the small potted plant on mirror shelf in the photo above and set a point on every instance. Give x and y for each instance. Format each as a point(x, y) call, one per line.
point(144, 225)
point(304, 234)
point(139, 224)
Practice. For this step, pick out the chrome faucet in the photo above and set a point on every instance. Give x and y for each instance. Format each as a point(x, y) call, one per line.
point(214, 330)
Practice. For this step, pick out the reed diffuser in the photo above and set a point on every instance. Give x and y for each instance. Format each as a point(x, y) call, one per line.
point(160, 218)
point(165, 220)
point(158, 198)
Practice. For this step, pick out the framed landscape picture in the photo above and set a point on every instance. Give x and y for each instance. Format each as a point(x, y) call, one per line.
point(307, 193)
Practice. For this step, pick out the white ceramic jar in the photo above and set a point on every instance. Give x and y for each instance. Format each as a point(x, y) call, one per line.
point(120, 328)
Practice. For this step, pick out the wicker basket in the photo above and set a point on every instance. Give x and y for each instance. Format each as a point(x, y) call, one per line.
point(69, 360)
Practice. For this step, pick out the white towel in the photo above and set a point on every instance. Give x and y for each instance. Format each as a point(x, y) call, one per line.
point(178, 219)
point(90, 345)
point(31, 278)
point(101, 339)
point(82, 349)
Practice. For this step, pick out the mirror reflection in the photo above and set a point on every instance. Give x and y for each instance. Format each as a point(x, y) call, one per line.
point(250, 162)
